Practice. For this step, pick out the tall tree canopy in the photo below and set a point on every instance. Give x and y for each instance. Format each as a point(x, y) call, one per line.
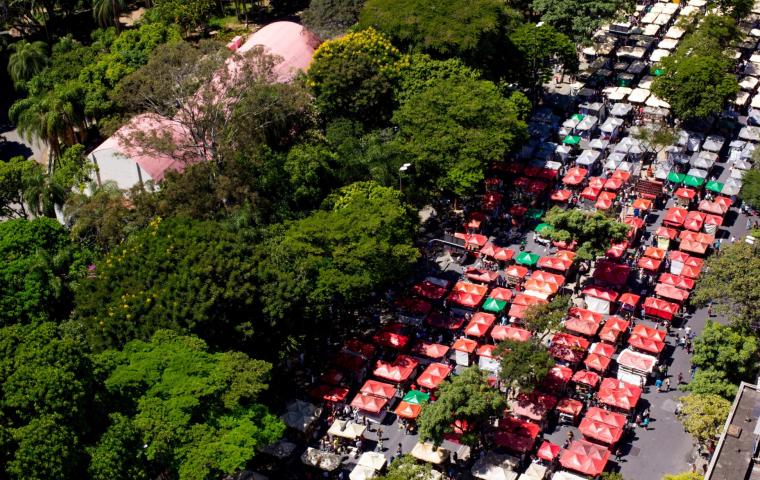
point(195, 411)
point(354, 77)
point(474, 31)
point(27, 60)
point(466, 397)
point(578, 18)
point(703, 416)
point(331, 18)
point(539, 49)
point(523, 364)
point(594, 232)
point(47, 401)
point(187, 275)
point(726, 349)
point(454, 128)
point(39, 267)
point(729, 283)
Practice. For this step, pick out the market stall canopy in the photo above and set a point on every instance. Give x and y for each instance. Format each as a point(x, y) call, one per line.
point(433, 375)
point(369, 403)
point(494, 305)
point(378, 389)
point(613, 329)
point(599, 431)
point(427, 452)
point(398, 371)
point(465, 345)
point(666, 232)
point(534, 406)
point(527, 258)
point(390, 340)
point(432, 289)
point(416, 397)
point(300, 415)
point(601, 293)
point(430, 350)
point(618, 394)
point(585, 457)
point(494, 466)
point(574, 176)
point(676, 281)
point(516, 435)
point(554, 263)
point(557, 378)
point(548, 451)
point(322, 460)
point(636, 361)
point(612, 273)
point(500, 293)
point(670, 292)
point(407, 410)
point(596, 362)
point(344, 429)
point(561, 195)
point(586, 377)
point(509, 332)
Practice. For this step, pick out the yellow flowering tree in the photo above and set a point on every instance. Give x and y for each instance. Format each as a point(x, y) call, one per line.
point(354, 77)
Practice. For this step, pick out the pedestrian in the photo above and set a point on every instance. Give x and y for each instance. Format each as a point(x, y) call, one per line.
point(645, 423)
point(681, 341)
point(379, 433)
point(658, 384)
point(709, 310)
point(688, 345)
point(680, 378)
point(667, 384)
point(693, 371)
point(398, 450)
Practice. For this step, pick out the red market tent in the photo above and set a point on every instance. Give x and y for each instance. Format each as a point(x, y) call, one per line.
point(660, 308)
point(349, 362)
point(596, 182)
point(413, 306)
point(635, 222)
point(518, 211)
point(603, 349)
point(548, 451)
point(600, 363)
point(561, 195)
point(570, 341)
point(534, 406)
point(585, 457)
point(666, 232)
point(613, 184)
point(716, 208)
point(584, 314)
point(696, 237)
point(621, 174)
point(481, 275)
point(599, 431)
point(496, 252)
point(582, 326)
point(630, 300)
point(716, 220)
point(542, 276)
point(433, 375)
point(605, 416)
point(613, 329)
point(472, 240)
point(431, 291)
point(540, 289)
point(686, 193)
point(553, 263)
point(601, 292)
point(516, 435)
point(557, 379)
point(521, 303)
point(486, 350)
point(670, 292)
point(590, 193)
point(516, 271)
point(613, 273)
point(398, 371)
point(618, 394)
point(605, 201)
point(508, 332)
point(586, 377)
point(407, 410)
point(636, 361)
point(574, 176)
point(616, 251)
point(642, 204)
point(649, 264)
point(378, 389)
point(500, 293)
point(565, 255)
point(675, 216)
point(692, 246)
point(467, 300)
point(368, 403)
point(329, 393)
point(475, 329)
point(676, 281)
point(445, 321)
point(654, 252)
point(390, 340)
point(430, 350)
point(571, 407)
point(366, 350)
point(694, 221)
point(645, 344)
point(465, 345)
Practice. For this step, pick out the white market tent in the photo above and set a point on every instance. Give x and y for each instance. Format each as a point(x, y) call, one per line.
point(674, 33)
point(658, 55)
point(668, 44)
point(638, 95)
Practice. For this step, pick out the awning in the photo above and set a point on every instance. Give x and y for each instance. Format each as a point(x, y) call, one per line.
point(433, 375)
point(378, 389)
point(408, 410)
point(585, 457)
point(618, 394)
point(509, 332)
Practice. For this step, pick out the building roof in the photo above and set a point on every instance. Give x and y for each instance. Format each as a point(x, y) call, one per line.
point(292, 42)
point(738, 444)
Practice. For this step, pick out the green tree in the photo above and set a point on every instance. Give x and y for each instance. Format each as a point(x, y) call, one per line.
point(475, 31)
point(27, 60)
point(40, 265)
point(727, 283)
point(750, 192)
point(47, 401)
point(310, 168)
point(467, 397)
point(738, 9)
point(190, 15)
point(703, 416)
point(522, 364)
point(106, 12)
point(331, 18)
point(118, 453)
point(186, 275)
point(711, 382)
point(612, 476)
point(683, 476)
point(406, 467)
point(354, 77)
point(578, 18)
point(540, 48)
point(656, 139)
point(423, 72)
point(726, 349)
point(196, 411)
point(594, 232)
point(453, 129)
point(546, 318)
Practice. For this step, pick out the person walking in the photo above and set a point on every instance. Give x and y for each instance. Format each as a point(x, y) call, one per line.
point(680, 378)
point(667, 384)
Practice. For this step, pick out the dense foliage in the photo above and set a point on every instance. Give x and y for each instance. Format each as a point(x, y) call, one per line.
point(594, 232)
point(703, 416)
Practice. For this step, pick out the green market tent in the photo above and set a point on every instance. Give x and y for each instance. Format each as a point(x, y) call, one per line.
point(714, 186)
point(693, 181)
point(676, 177)
point(572, 140)
point(658, 72)
point(543, 227)
point(416, 397)
point(527, 259)
point(534, 213)
point(578, 116)
point(494, 306)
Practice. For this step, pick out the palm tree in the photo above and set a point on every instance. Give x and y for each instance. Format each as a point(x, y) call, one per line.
point(27, 60)
point(51, 118)
point(106, 12)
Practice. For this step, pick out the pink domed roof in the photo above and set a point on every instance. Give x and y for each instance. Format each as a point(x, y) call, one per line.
point(288, 40)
